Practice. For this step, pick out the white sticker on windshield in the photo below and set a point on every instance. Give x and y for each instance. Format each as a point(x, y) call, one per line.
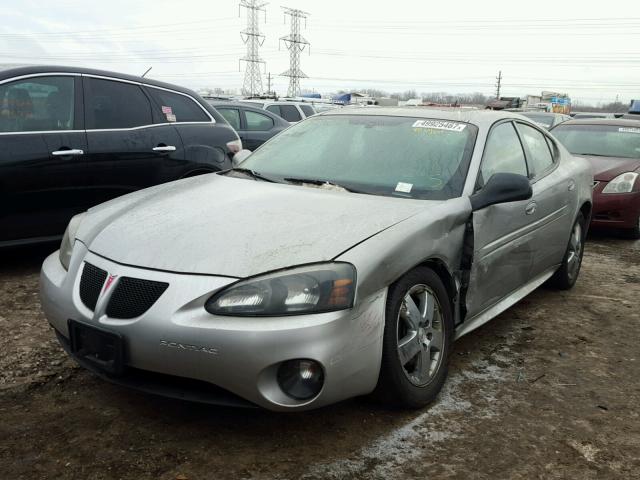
point(440, 125)
point(629, 130)
point(404, 187)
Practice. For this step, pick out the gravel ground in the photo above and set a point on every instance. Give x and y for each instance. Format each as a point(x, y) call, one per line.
point(550, 389)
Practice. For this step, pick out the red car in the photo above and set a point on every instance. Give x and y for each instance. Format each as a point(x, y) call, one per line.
point(613, 148)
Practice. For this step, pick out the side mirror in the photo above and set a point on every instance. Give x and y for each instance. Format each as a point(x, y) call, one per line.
point(240, 157)
point(502, 188)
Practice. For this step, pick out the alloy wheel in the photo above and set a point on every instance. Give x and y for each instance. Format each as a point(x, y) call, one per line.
point(420, 334)
point(574, 258)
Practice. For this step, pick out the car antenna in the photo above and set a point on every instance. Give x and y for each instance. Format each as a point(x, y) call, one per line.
point(148, 70)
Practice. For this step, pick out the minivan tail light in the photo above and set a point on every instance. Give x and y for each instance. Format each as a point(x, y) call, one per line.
point(234, 146)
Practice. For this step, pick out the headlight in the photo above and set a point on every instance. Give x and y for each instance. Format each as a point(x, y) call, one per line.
point(311, 289)
point(623, 183)
point(66, 247)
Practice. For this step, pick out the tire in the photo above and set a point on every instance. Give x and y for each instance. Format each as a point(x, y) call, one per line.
point(633, 233)
point(567, 275)
point(407, 383)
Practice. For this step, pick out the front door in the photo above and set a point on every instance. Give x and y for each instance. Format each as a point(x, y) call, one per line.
point(126, 150)
point(42, 156)
point(503, 233)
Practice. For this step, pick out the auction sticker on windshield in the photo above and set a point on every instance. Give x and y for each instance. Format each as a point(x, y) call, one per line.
point(440, 125)
point(629, 130)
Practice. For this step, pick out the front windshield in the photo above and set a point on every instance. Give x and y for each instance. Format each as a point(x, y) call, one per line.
point(540, 119)
point(602, 140)
point(380, 155)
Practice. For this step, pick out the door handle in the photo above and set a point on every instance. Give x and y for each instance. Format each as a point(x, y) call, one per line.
point(530, 208)
point(166, 148)
point(65, 153)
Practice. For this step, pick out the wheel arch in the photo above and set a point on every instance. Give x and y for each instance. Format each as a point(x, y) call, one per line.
point(448, 279)
point(586, 210)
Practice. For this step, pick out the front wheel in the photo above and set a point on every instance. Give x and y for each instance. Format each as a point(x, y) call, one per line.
point(567, 275)
point(417, 340)
point(634, 233)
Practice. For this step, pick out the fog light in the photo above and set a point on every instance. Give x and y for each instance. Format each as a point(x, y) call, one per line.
point(300, 379)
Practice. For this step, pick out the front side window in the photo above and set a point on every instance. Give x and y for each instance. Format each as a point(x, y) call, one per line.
point(178, 108)
point(379, 155)
point(290, 113)
point(37, 104)
point(539, 155)
point(231, 115)
point(621, 141)
point(257, 121)
point(113, 104)
point(502, 153)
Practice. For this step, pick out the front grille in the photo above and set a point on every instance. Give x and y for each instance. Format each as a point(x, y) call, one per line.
point(91, 284)
point(133, 296)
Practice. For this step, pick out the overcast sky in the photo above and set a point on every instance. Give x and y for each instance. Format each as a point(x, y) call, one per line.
point(588, 49)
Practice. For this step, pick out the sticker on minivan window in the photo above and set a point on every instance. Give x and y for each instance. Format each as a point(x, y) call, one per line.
point(440, 125)
point(166, 110)
point(629, 130)
point(171, 117)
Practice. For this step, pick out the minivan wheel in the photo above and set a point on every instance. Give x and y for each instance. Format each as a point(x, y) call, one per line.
point(417, 339)
point(567, 275)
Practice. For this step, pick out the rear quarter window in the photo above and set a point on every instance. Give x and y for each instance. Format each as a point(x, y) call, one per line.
point(175, 107)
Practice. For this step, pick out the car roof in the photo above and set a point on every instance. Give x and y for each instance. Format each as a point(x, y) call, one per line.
point(614, 122)
point(481, 118)
point(548, 114)
point(13, 71)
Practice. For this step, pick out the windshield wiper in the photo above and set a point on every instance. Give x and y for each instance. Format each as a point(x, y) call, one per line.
point(315, 181)
point(254, 174)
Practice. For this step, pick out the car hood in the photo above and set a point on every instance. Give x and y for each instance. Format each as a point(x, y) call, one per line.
point(235, 227)
point(606, 169)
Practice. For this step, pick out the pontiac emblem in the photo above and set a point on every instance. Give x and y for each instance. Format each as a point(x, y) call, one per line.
point(109, 282)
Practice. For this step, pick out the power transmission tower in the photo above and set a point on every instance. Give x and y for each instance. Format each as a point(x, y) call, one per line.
point(269, 84)
point(498, 84)
point(295, 43)
point(253, 39)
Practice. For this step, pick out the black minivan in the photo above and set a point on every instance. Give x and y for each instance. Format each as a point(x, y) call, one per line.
point(71, 138)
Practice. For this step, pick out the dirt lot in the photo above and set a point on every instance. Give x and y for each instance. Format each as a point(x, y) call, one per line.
point(550, 389)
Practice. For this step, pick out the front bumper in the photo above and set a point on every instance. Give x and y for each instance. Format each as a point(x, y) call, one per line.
point(237, 355)
point(615, 210)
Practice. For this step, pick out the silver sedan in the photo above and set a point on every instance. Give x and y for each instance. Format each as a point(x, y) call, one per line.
point(342, 258)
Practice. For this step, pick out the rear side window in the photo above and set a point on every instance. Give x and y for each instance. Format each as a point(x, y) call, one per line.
point(113, 104)
point(308, 110)
point(258, 121)
point(231, 115)
point(502, 154)
point(37, 104)
point(178, 108)
point(290, 113)
point(539, 155)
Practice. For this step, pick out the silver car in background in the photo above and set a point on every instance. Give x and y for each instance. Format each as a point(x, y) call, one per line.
point(342, 258)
